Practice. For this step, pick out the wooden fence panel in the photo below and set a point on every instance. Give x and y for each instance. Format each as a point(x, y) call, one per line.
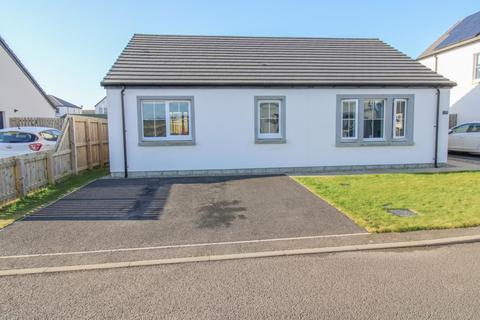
point(56, 123)
point(82, 145)
point(104, 142)
point(35, 171)
point(8, 191)
point(62, 164)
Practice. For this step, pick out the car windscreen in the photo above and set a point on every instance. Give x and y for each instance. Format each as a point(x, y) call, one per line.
point(17, 137)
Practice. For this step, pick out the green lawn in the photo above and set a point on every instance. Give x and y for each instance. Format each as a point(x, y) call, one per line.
point(442, 200)
point(33, 201)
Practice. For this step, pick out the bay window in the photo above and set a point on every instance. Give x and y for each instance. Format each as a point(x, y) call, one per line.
point(364, 120)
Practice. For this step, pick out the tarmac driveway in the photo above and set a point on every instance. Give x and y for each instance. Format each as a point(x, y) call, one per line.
point(125, 213)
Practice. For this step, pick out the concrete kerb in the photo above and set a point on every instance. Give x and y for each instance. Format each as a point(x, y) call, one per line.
point(248, 255)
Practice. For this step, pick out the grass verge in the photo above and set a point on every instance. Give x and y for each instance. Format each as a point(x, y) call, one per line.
point(35, 200)
point(441, 201)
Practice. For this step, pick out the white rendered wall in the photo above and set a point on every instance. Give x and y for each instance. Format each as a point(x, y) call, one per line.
point(224, 129)
point(458, 65)
point(17, 92)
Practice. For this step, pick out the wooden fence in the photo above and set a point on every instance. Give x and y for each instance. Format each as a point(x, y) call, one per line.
point(452, 120)
point(83, 145)
point(56, 123)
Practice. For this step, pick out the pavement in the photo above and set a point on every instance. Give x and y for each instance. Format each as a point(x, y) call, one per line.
point(464, 157)
point(420, 283)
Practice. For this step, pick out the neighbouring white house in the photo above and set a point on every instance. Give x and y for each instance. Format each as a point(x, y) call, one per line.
point(456, 55)
point(20, 94)
point(64, 107)
point(203, 105)
point(101, 106)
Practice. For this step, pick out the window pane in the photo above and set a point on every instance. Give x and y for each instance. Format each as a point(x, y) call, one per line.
point(400, 112)
point(264, 110)
point(349, 119)
point(374, 111)
point(368, 110)
point(148, 120)
point(179, 119)
point(348, 129)
point(274, 125)
point(269, 117)
point(264, 126)
point(378, 109)
point(160, 120)
point(274, 113)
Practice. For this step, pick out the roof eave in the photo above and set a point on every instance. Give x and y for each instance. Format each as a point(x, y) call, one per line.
point(449, 84)
point(448, 48)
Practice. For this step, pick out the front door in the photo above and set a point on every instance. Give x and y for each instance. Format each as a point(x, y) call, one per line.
point(2, 120)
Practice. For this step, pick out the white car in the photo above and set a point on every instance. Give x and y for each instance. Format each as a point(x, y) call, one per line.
point(21, 140)
point(465, 138)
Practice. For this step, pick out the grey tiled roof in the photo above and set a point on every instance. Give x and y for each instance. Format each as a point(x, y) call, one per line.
point(62, 103)
point(265, 61)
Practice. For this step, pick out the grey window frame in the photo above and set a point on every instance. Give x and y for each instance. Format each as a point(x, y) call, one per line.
point(170, 142)
point(282, 124)
point(388, 139)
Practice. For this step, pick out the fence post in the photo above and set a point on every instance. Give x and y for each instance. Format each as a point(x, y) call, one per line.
point(50, 168)
point(19, 177)
point(73, 146)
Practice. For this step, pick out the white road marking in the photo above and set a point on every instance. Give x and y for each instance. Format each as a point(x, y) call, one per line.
point(236, 256)
point(180, 246)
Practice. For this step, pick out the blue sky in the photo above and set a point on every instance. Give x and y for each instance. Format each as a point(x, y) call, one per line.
point(68, 46)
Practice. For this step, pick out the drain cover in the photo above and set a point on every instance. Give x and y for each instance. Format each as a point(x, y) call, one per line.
point(402, 212)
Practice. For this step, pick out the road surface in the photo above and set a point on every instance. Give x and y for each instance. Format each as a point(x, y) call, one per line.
point(431, 283)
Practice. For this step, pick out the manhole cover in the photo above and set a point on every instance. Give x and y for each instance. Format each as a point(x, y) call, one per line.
point(402, 212)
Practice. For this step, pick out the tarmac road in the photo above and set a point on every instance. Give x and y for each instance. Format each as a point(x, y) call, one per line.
point(430, 283)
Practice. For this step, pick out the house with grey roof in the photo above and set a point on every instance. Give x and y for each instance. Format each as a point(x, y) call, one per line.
point(64, 107)
point(101, 106)
point(20, 94)
point(203, 105)
point(456, 55)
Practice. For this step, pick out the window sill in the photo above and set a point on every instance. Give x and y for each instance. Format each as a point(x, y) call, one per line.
point(391, 143)
point(166, 143)
point(271, 141)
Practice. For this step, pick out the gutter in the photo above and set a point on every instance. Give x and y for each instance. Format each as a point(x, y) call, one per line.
point(124, 135)
point(437, 121)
